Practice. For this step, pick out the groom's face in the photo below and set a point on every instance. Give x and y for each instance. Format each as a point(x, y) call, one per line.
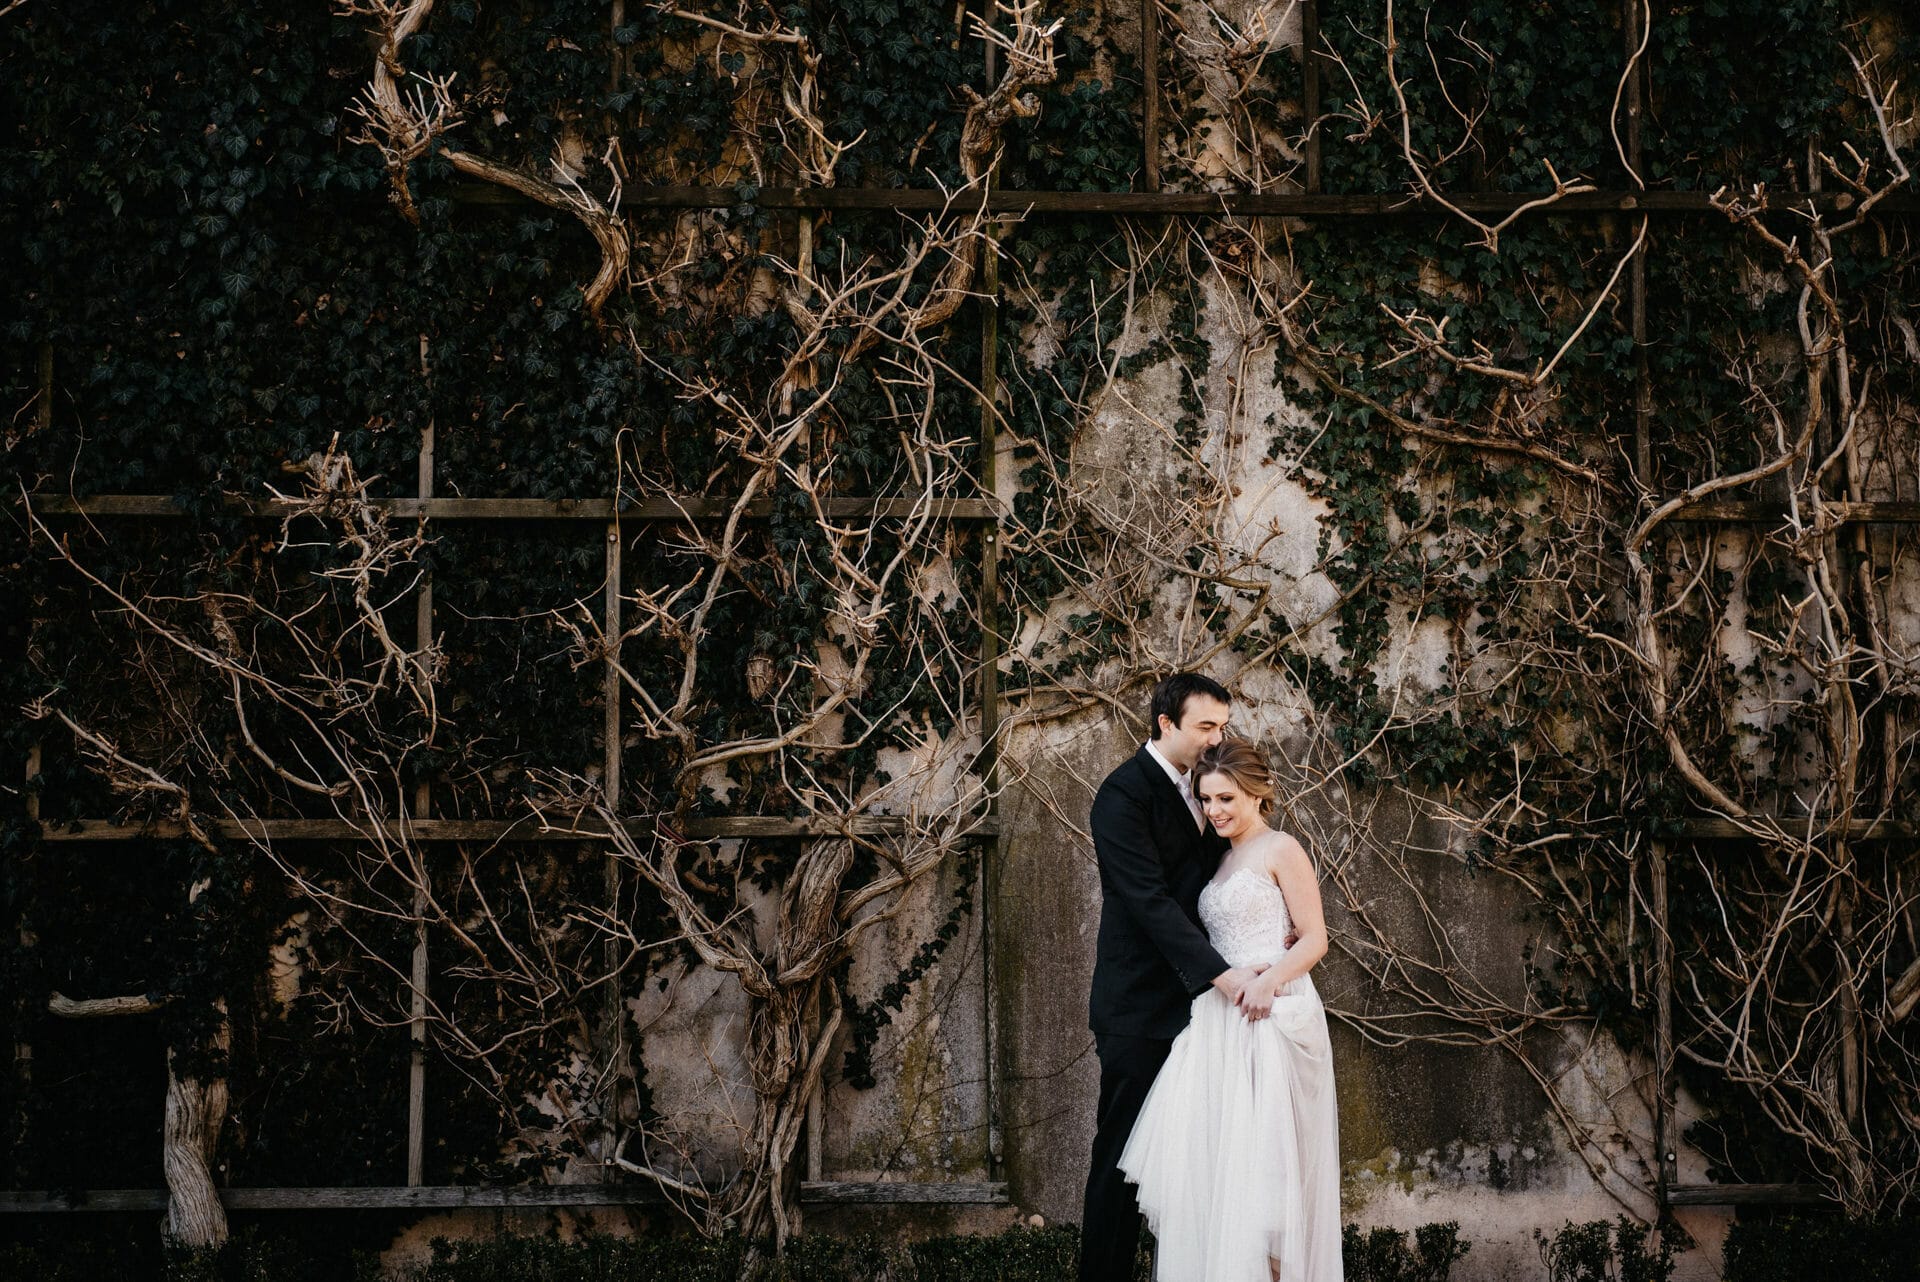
point(1202, 722)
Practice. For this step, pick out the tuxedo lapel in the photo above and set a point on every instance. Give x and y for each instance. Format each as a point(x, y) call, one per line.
point(1173, 828)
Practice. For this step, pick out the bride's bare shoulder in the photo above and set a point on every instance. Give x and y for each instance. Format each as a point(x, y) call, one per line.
point(1279, 851)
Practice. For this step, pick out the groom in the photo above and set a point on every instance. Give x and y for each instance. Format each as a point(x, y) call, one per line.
point(1156, 851)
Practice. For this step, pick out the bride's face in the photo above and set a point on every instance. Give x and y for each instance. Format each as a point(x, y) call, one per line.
point(1231, 811)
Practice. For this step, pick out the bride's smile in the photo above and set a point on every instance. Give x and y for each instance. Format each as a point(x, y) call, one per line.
point(1233, 814)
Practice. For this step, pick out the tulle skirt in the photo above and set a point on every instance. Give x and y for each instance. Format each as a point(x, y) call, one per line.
point(1237, 1149)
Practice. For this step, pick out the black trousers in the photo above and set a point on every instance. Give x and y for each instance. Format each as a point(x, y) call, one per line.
point(1110, 1222)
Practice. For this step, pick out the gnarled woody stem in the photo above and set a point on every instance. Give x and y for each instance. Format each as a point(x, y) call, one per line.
point(196, 1110)
point(1028, 47)
point(795, 1010)
point(407, 130)
point(609, 229)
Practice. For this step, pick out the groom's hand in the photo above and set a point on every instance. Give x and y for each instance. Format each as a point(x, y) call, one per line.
point(1233, 982)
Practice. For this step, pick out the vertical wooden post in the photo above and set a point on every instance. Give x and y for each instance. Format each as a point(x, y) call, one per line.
point(989, 281)
point(616, 18)
point(610, 781)
point(1642, 392)
point(817, 1133)
point(43, 402)
point(610, 679)
point(22, 1048)
point(422, 808)
point(1665, 1173)
point(803, 254)
point(1664, 1153)
point(1637, 280)
point(33, 772)
point(816, 1120)
point(610, 699)
point(992, 856)
point(1150, 87)
point(1310, 86)
point(1631, 34)
point(989, 482)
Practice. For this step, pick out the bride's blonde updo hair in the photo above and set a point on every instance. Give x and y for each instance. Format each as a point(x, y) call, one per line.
point(1243, 763)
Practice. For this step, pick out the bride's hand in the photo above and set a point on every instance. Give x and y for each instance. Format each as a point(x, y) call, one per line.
point(1256, 1000)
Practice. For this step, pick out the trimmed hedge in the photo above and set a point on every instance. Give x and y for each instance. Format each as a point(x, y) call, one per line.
point(1017, 1255)
point(1385, 1255)
point(1794, 1248)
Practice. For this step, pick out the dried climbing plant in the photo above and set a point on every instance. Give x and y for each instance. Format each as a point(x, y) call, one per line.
point(356, 707)
point(1584, 619)
point(1795, 965)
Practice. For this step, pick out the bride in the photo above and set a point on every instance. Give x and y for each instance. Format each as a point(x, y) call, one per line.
point(1236, 1151)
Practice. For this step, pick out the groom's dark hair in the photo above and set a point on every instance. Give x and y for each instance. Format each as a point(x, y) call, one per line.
point(1171, 695)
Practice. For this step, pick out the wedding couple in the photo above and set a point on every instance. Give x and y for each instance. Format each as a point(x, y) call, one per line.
point(1216, 1078)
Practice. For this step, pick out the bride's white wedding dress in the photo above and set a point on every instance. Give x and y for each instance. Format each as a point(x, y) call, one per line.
point(1237, 1150)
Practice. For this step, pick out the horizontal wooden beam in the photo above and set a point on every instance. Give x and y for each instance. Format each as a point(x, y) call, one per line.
point(889, 1193)
point(652, 509)
point(1718, 829)
point(1776, 513)
point(1297, 204)
point(843, 1193)
point(450, 1197)
point(709, 828)
point(696, 508)
point(1745, 1194)
point(418, 1197)
point(730, 827)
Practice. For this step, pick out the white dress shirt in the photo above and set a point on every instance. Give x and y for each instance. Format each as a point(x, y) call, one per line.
point(1181, 782)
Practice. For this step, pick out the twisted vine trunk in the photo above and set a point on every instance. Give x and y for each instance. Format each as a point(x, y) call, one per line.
point(794, 1014)
point(196, 1111)
point(787, 1042)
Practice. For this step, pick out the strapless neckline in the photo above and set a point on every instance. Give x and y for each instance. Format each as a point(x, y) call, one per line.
point(1219, 883)
point(1245, 925)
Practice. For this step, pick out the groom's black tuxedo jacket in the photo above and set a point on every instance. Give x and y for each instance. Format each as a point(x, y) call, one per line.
point(1152, 958)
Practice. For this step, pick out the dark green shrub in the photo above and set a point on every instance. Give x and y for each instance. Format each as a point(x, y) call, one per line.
point(70, 1261)
point(819, 1258)
point(252, 1255)
point(595, 1258)
point(1020, 1255)
point(1385, 1255)
point(96, 1252)
point(1795, 1247)
point(1601, 1252)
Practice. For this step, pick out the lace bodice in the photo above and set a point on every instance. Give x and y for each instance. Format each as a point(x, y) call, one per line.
point(1246, 917)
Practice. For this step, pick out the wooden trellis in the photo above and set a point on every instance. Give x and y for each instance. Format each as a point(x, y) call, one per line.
point(1311, 203)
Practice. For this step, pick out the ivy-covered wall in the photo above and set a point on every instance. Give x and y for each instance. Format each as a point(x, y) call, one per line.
point(1383, 475)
